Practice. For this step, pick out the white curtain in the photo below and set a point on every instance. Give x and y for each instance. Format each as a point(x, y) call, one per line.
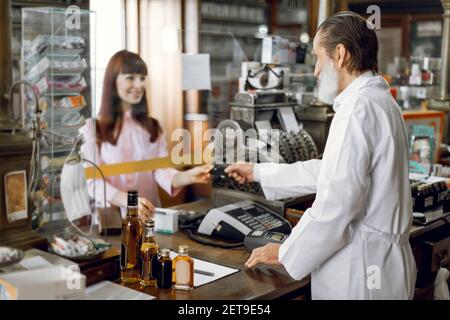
point(109, 37)
point(132, 25)
point(157, 38)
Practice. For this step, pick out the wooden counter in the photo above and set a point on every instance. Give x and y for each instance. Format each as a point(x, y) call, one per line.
point(417, 230)
point(261, 282)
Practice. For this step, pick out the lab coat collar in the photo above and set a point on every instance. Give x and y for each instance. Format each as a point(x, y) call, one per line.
point(352, 88)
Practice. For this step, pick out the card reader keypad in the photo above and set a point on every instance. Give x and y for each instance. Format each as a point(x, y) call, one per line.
point(257, 219)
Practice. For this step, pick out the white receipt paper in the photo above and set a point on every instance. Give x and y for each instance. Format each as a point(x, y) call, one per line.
point(196, 72)
point(107, 290)
point(288, 120)
point(218, 271)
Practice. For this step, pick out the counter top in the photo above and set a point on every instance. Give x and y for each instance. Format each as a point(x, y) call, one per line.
point(261, 282)
point(417, 230)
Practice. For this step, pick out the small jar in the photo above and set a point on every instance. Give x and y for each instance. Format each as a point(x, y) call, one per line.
point(443, 193)
point(436, 191)
point(165, 270)
point(420, 199)
point(183, 270)
point(428, 202)
point(414, 192)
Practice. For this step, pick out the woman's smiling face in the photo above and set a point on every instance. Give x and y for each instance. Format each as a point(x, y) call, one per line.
point(131, 87)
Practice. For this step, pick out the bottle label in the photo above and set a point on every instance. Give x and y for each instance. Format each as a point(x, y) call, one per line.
point(428, 202)
point(155, 266)
point(183, 272)
point(149, 266)
point(145, 268)
point(139, 263)
point(165, 274)
point(123, 256)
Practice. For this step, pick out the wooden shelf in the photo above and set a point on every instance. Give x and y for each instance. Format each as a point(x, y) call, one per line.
point(226, 35)
point(84, 5)
point(224, 60)
point(248, 3)
point(288, 25)
point(231, 20)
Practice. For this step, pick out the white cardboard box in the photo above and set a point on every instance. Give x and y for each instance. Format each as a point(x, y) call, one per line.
point(166, 221)
point(52, 283)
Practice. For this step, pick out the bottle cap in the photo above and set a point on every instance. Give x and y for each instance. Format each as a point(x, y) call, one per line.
point(183, 249)
point(150, 223)
point(165, 253)
point(133, 198)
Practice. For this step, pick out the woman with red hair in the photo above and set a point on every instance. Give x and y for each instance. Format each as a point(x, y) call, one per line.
point(124, 132)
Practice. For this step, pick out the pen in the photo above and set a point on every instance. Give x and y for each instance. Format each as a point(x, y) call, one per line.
point(205, 273)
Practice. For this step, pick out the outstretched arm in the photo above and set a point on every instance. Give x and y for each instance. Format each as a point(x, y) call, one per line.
point(279, 180)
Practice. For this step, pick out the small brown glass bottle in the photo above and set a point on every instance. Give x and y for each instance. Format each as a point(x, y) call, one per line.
point(149, 256)
point(165, 270)
point(183, 270)
point(131, 242)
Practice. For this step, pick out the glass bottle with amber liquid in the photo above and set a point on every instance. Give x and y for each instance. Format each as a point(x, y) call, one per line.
point(131, 242)
point(149, 256)
point(183, 270)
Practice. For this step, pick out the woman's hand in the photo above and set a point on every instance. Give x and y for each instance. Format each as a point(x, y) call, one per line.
point(146, 209)
point(192, 176)
point(200, 174)
point(267, 255)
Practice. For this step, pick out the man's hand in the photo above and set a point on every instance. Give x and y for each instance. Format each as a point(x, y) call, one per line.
point(146, 209)
point(267, 255)
point(241, 172)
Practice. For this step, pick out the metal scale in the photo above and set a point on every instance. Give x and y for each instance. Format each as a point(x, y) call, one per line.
point(263, 108)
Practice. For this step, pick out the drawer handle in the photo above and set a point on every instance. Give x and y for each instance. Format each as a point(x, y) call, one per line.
point(100, 272)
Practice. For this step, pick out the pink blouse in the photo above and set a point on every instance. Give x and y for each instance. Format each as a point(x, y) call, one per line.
point(133, 145)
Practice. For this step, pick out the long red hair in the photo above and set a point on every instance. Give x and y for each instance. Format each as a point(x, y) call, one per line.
point(109, 123)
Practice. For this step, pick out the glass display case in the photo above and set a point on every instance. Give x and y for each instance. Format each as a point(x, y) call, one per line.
point(58, 59)
point(16, 15)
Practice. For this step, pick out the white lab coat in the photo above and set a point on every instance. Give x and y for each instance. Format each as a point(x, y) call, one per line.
point(354, 240)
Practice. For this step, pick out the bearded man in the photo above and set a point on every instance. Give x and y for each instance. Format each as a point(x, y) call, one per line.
point(354, 240)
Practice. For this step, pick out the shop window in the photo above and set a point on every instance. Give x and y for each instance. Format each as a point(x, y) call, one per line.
point(109, 36)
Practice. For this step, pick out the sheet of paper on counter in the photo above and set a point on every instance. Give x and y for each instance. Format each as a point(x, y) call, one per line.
point(107, 290)
point(218, 270)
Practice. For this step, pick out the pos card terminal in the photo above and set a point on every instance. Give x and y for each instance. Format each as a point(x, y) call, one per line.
point(256, 239)
point(236, 221)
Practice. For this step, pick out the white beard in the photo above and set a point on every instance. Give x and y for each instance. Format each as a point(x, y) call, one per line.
point(328, 83)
